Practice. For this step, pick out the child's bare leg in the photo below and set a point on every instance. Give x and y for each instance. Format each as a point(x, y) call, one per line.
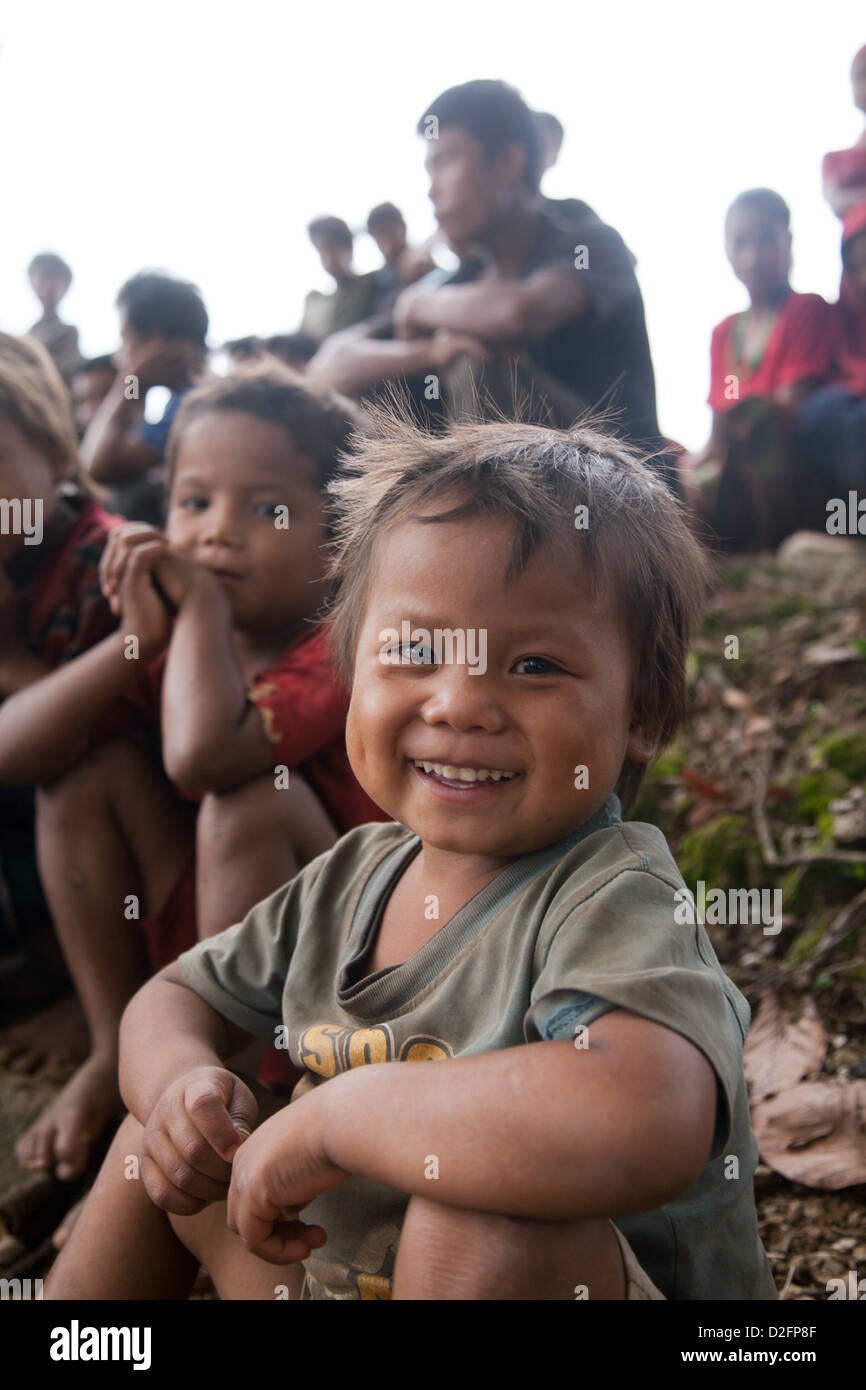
point(124, 1247)
point(448, 1253)
point(110, 828)
point(121, 1246)
point(250, 841)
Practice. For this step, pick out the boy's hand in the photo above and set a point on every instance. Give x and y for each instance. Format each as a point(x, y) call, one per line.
point(194, 1131)
point(178, 576)
point(122, 542)
point(281, 1168)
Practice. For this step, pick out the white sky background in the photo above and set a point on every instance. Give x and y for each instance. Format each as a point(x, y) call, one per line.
point(201, 137)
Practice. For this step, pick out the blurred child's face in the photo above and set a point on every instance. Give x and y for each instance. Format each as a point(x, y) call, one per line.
point(553, 694)
point(759, 250)
point(25, 473)
point(855, 259)
point(232, 475)
point(89, 390)
point(466, 191)
point(49, 289)
point(336, 258)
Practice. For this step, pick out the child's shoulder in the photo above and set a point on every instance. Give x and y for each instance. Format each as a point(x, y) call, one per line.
point(613, 850)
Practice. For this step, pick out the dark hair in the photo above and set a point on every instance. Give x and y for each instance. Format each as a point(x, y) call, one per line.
point(105, 363)
point(550, 124)
point(496, 115)
point(318, 422)
point(330, 229)
point(638, 542)
point(382, 214)
point(763, 200)
point(247, 348)
point(302, 347)
point(159, 305)
point(48, 263)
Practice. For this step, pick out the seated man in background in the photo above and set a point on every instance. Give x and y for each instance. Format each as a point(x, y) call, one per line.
point(355, 298)
point(163, 330)
point(547, 310)
point(404, 264)
point(50, 278)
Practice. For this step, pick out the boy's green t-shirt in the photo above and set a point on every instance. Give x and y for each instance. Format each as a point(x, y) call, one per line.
point(557, 939)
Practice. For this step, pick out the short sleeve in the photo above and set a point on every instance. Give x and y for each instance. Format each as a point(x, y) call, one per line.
point(807, 346)
point(623, 947)
point(241, 972)
point(599, 256)
point(302, 703)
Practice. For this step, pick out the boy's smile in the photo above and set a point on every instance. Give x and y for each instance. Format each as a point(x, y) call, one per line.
point(484, 763)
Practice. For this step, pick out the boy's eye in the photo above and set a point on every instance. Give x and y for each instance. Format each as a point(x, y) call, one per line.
point(417, 654)
point(268, 509)
point(408, 654)
point(535, 666)
point(194, 504)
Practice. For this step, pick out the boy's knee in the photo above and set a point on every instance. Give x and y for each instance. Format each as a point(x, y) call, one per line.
point(453, 1252)
point(259, 808)
point(100, 771)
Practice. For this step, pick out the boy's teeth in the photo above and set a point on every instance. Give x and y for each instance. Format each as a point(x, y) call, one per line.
point(463, 774)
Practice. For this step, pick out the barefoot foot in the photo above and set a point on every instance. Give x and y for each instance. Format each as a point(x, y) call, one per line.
point(57, 1035)
point(64, 1134)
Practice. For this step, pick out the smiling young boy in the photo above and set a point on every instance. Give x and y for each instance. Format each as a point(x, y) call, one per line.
point(510, 928)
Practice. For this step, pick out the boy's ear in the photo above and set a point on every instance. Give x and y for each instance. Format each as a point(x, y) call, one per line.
point(641, 746)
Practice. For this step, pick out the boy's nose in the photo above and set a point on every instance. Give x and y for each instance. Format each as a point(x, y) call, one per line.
point(464, 700)
point(220, 526)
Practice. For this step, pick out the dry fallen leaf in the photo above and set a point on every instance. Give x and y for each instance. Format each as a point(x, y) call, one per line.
point(815, 1133)
point(732, 698)
point(782, 1047)
point(702, 785)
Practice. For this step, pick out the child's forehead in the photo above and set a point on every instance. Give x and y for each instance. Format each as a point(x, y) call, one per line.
point(475, 554)
point(232, 447)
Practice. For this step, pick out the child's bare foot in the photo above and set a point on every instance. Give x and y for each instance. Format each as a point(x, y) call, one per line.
point(64, 1134)
point(57, 1035)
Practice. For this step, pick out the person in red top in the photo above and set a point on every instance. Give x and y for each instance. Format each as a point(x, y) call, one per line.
point(51, 612)
point(749, 484)
point(844, 171)
point(832, 422)
point(141, 855)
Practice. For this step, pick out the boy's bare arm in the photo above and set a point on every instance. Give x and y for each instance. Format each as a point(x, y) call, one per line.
point(167, 1031)
point(49, 720)
point(213, 738)
point(544, 1130)
point(353, 365)
point(112, 450)
point(496, 310)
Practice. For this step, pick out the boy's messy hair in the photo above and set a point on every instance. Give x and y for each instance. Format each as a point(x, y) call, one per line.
point(318, 422)
point(34, 398)
point(636, 541)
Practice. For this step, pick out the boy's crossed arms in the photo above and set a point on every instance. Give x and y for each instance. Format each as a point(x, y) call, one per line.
point(544, 1131)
